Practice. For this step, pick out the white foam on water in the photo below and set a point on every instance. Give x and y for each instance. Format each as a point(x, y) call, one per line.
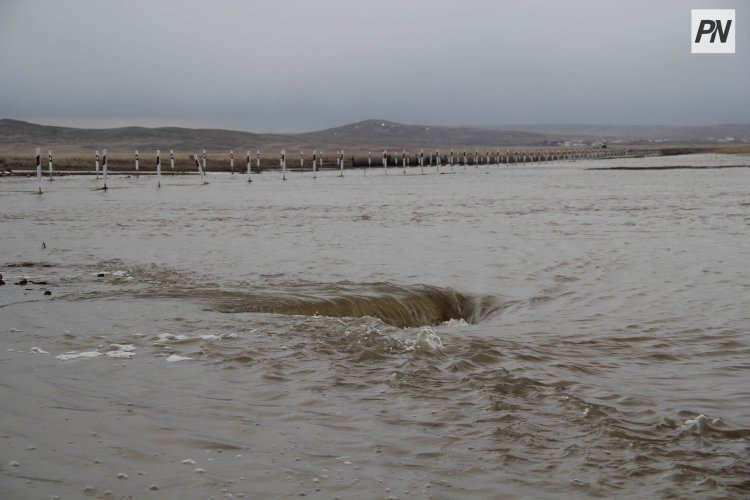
point(77, 355)
point(427, 341)
point(37, 350)
point(114, 274)
point(699, 424)
point(453, 323)
point(123, 347)
point(217, 336)
point(163, 337)
point(175, 358)
point(118, 354)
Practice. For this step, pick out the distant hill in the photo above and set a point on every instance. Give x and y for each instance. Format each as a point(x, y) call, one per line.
point(707, 134)
point(387, 134)
point(19, 136)
point(15, 135)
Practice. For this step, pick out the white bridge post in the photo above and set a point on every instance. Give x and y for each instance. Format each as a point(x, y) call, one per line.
point(105, 167)
point(249, 166)
point(158, 168)
point(202, 168)
point(39, 167)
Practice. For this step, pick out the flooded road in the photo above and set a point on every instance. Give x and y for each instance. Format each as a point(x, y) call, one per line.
point(494, 332)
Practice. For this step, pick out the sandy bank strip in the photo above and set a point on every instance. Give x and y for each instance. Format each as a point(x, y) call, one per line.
point(670, 167)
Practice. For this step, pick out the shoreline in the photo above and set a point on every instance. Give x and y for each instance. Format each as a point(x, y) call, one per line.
point(120, 164)
point(16, 165)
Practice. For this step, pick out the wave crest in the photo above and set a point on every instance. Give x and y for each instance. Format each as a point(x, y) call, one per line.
point(399, 306)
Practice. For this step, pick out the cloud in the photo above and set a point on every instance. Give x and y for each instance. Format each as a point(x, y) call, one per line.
point(296, 65)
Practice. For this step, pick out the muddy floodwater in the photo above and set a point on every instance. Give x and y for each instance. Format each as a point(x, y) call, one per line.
point(542, 331)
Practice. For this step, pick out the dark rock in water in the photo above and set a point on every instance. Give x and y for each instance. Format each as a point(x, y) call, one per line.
point(47, 292)
point(1, 280)
point(24, 281)
point(38, 282)
point(100, 275)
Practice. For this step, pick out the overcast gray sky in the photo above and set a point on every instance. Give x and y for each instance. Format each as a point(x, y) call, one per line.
point(296, 65)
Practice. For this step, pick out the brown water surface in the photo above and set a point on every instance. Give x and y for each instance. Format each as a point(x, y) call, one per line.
point(504, 332)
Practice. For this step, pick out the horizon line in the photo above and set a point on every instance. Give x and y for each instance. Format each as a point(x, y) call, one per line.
point(514, 126)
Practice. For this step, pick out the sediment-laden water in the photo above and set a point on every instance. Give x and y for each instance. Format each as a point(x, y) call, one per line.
point(500, 332)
